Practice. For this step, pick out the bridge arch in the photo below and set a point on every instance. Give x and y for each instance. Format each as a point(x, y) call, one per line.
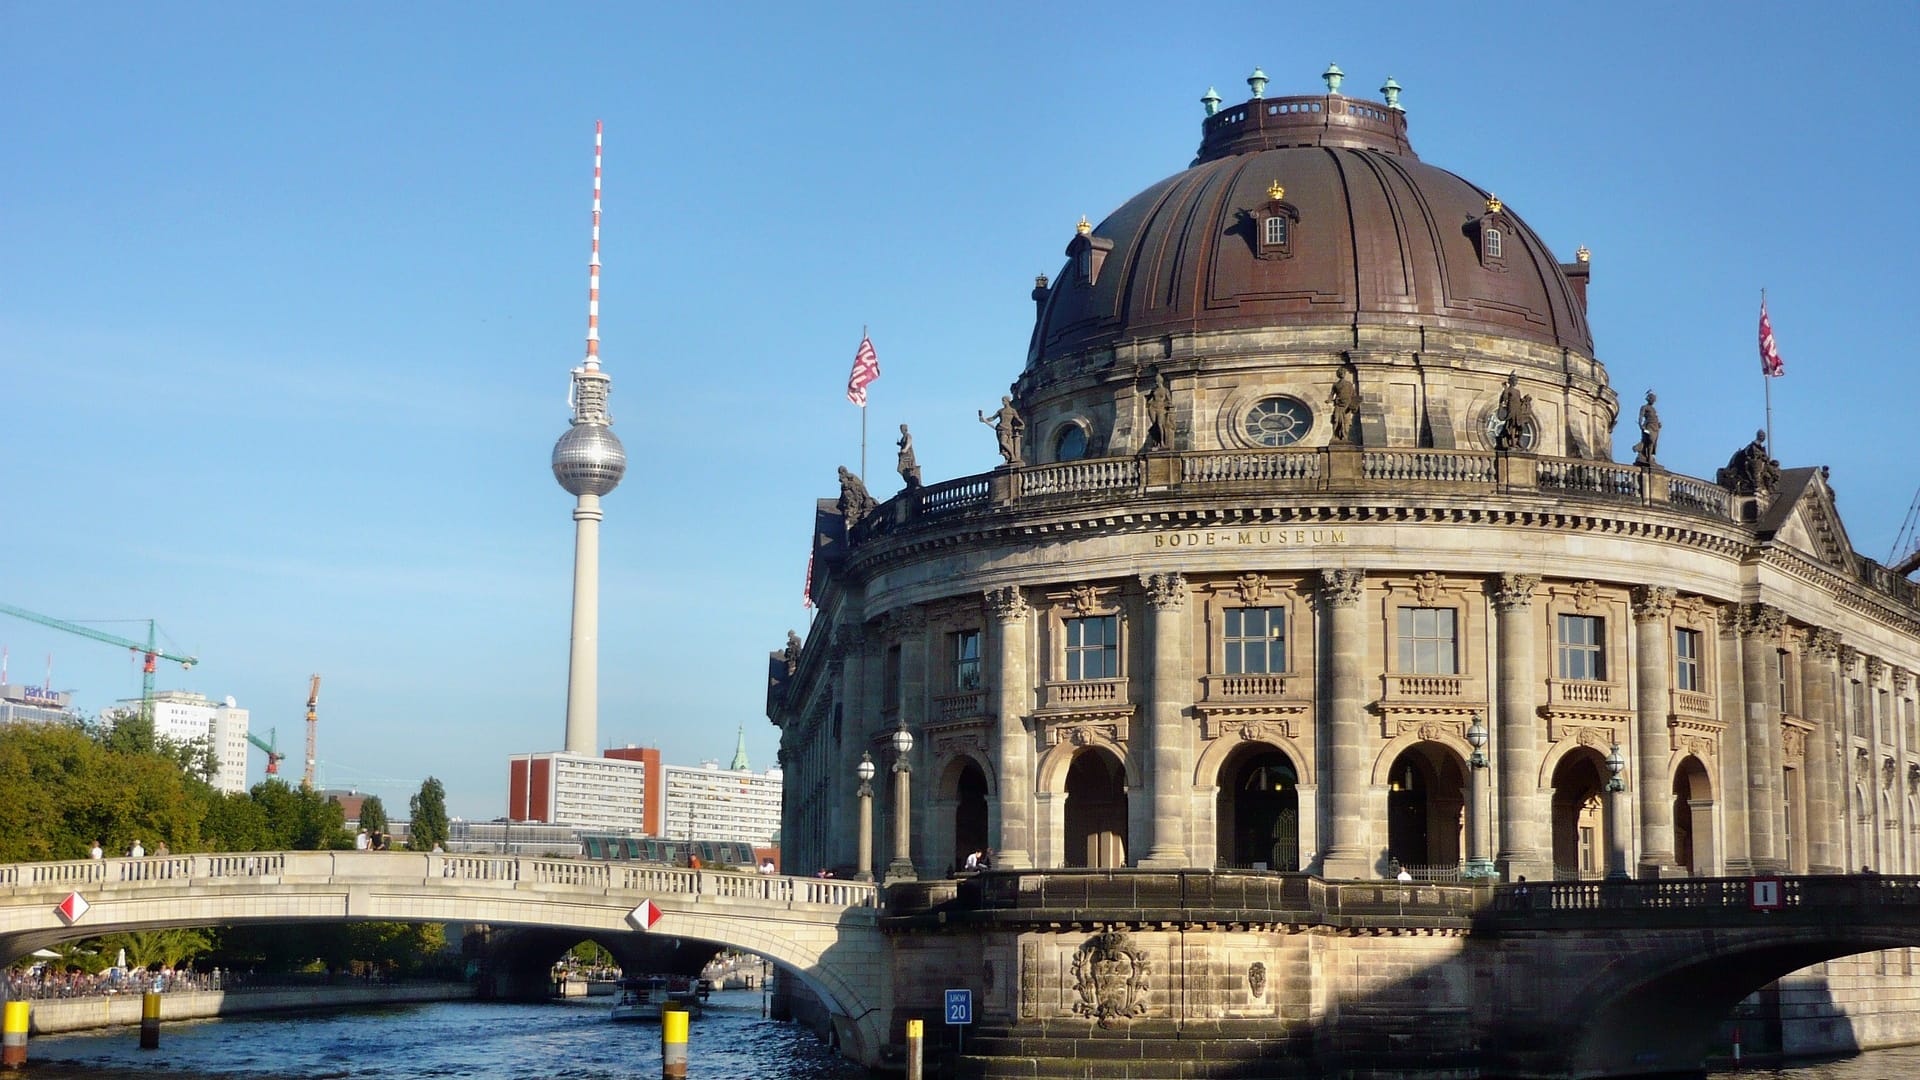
point(825, 932)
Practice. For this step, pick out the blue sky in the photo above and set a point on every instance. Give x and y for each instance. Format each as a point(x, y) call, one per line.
point(288, 297)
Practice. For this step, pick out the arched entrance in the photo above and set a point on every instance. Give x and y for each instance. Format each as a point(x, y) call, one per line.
point(1579, 827)
point(969, 810)
point(1096, 816)
point(1693, 819)
point(1426, 805)
point(1258, 810)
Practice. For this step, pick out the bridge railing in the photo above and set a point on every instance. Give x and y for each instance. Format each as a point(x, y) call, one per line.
point(1851, 891)
point(414, 865)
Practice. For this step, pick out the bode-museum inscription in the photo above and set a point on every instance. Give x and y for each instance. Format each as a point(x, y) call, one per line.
point(1252, 537)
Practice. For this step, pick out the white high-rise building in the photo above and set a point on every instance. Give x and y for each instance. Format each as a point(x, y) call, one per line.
point(708, 802)
point(28, 704)
point(183, 716)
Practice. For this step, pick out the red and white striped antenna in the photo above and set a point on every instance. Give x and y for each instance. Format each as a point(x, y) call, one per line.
point(593, 264)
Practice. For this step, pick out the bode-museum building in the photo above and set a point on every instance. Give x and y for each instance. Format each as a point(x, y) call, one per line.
point(1323, 543)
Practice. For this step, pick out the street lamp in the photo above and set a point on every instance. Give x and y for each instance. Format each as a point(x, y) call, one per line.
point(1478, 864)
point(1616, 816)
point(901, 867)
point(864, 860)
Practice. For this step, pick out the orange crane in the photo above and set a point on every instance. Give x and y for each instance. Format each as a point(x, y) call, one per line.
point(313, 723)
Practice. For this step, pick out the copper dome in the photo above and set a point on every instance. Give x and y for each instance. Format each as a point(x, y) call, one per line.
point(1375, 237)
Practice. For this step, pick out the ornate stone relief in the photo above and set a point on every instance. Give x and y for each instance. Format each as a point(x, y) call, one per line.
point(1426, 587)
point(1693, 737)
point(1086, 733)
point(1875, 668)
point(1263, 728)
point(1793, 741)
point(1824, 644)
point(1007, 603)
point(1165, 592)
point(959, 740)
point(904, 622)
point(1084, 599)
point(1252, 588)
point(848, 640)
point(1761, 620)
point(1514, 591)
point(1341, 587)
point(1257, 979)
point(1652, 602)
point(1849, 656)
point(1586, 595)
point(1901, 677)
point(1110, 975)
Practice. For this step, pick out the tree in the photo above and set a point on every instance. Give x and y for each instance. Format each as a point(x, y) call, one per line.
point(373, 815)
point(62, 787)
point(429, 808)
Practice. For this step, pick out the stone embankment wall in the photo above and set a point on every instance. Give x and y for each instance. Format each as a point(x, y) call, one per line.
point(114, 1010)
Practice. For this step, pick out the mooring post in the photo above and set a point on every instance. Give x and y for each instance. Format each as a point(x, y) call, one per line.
point(915, 1045)
point(13, 1035)
point(673, 1043)
point(150, 1020)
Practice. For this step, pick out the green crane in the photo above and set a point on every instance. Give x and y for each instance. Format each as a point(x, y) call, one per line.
point(267, 745)
point(151, 651)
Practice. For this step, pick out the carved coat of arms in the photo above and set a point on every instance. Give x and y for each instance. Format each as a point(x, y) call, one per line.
point(1110, 975)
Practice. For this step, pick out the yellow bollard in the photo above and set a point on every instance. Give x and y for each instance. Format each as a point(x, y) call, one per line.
point(673, 1043)
point(916, 1032)
point(150, 1020)
point(13, 1035)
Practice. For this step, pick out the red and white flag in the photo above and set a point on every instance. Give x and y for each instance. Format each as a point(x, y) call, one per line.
point(1770, 363)
point(806, 590)
point(866, 368)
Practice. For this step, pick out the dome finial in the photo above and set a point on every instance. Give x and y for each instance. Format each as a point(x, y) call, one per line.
point(1333, 75)
point(1276, 192)
point(1258, 82)
point(1390, 90)
point(1211, 102)
point(1083, 228)
point(1581, 254)
point(1493, 203)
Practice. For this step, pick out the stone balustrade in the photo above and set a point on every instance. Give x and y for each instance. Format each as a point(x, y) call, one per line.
point(1085, 693)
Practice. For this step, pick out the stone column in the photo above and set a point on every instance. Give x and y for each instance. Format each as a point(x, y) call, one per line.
point(1653, 667)
point(1516, 738)
point(1168, 695)
point(1851, 855)
point(849, 644)
point(1733, 744)
point(1824, 811)
point(1007, 609)
point(1876, 765)
point(908, 626)
point(1902, 843)
point(1344, 781)
point(1760, 626)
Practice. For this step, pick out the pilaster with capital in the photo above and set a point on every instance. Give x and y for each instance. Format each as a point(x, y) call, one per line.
point(1877, 741)
point(907, 628)
point(1759, 627)
point(1168, 695)
point(1899, 678)
point(1344, 785)
point(1011, 622)
point(1825, 811)
point(848, 650)
point(1653, 666)
point(1516, 738)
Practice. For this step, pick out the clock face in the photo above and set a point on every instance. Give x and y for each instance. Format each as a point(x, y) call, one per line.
point(1278, 421)
point(1497, 422)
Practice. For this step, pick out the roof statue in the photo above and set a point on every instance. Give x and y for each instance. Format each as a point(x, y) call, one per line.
point(1007, 424)
point(1649, 444)
point(909, 468)
point(855, 503)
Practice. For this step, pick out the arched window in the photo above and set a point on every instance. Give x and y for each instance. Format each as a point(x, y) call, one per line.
point(1070, 444)
point(1277, 231)
point(1492, 241)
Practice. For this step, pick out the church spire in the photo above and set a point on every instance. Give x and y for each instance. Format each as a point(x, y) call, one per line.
point(740, 753)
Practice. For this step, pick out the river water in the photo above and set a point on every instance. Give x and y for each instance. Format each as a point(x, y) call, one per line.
point(561, 1041)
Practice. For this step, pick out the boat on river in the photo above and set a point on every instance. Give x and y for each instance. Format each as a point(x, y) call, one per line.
point(645, 997)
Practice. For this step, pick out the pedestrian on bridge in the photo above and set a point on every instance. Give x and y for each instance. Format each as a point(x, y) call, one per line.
point(96, 853)
point(136, 850)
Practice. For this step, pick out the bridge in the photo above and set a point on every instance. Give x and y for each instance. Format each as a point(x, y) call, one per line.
point(823, 932)
point(1549, 980)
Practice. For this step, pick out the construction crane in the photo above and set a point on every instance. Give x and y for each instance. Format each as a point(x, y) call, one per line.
point(268, 747)
point(313, 724)
point(150, 651)
point(1905, 558)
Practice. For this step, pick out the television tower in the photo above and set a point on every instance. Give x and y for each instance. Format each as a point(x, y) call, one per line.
point(589, 462)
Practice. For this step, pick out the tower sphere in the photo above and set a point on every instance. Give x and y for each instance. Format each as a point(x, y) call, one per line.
point(589, 460)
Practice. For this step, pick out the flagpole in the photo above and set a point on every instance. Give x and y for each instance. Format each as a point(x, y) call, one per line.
point(863, 418)
point(1766, 378)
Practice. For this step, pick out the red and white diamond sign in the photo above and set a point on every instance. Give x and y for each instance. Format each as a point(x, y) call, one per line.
point(645, 916)
point(72, 908)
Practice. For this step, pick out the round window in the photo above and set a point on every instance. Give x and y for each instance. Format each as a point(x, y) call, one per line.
point(1529, 435)
point(1279, 421)
point(1070, 444)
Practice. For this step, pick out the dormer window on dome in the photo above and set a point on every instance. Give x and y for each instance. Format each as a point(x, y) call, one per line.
point(1490, 231)
point(1274, 224)
point(1088, 253)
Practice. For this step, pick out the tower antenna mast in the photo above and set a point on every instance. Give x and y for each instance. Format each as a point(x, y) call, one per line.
point(588, 461)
